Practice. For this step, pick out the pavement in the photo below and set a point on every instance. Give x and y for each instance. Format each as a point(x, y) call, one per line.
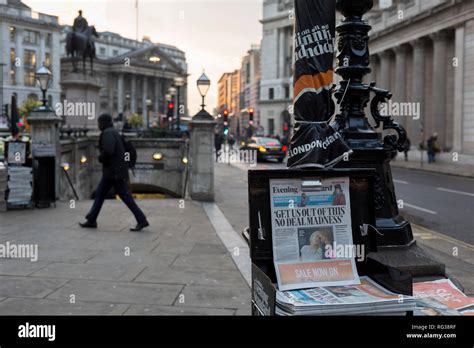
point(178, 266)
point(190, 261)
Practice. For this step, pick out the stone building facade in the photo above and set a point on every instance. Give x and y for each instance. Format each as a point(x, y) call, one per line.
point(276, 85)
point(423, 51)
point(27, 40)
point(249, 87)
point(135, 76)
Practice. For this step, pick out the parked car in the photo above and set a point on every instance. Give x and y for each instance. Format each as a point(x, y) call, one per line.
point(267, 148)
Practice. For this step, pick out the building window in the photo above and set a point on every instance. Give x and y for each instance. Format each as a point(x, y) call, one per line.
point(12, 77)
point(287, 92)
point(115, 53)
point(47, 60)
point(12, 58)
point(271, 93)
point(12, 34)
point(30, 78)
point(29, 60)
point(102, 51)
point(31, 37)
point(49, 40)
point(50, 100)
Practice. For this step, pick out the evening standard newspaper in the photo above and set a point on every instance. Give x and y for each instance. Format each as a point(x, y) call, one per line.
point(365, 298)
point(311, 219)
point(441, 297)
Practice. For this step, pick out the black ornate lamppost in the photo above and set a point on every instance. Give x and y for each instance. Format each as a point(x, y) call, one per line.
point(371, 148)
point(203, 84)
point(44, 78)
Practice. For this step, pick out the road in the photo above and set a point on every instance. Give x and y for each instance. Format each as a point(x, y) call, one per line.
point(443, 203)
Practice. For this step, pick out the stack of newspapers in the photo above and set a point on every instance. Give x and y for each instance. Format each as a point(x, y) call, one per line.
point(3, 186)
point(363, 299)
point(20, 187)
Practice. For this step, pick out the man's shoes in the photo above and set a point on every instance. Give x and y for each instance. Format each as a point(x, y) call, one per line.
point(140, 226)
point(88, 224)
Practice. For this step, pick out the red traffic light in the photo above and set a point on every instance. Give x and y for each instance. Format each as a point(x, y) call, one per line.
point(251, 111)
point(226, 112)
point(171, 106)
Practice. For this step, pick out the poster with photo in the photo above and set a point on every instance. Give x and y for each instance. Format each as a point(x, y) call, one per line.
point(310, 218)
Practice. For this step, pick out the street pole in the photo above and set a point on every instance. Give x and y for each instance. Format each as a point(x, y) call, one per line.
point(369, 149)
point(177, 111)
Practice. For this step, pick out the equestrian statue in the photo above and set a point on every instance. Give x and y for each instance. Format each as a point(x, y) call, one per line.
point(80, 43)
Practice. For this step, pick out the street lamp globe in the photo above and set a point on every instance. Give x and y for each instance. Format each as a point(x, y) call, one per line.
point(179, 81)
point(44, 79)
point(203, 84)
point(172, 91)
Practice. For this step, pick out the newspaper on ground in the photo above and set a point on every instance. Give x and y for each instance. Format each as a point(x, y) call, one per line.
point(311, 219)
point(441, 297)
point(366, 298)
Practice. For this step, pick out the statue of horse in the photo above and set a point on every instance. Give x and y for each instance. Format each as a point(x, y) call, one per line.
point(81, 44)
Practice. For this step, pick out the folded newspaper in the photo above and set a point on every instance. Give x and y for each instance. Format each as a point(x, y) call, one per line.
point(441, 297)
point(366, 298)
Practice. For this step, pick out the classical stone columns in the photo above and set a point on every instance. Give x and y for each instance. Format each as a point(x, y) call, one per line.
point(418, 92)
point(19, 54)
point(384, 69)
point(401, 80)
point(439, 84)
point(133, 93)
point(144, 100)
point(459, 48)
point(120, 95)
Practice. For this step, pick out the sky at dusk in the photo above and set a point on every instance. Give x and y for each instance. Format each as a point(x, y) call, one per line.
point(214, 34)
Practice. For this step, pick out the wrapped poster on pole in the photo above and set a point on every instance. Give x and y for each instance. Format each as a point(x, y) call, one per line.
point(312, 234)
point(315, 142)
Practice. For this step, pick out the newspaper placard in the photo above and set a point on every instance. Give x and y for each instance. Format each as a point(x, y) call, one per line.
point(311, 219)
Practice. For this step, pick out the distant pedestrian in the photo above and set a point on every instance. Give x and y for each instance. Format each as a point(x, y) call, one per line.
point(218, 141)
point(114, 174)
point(433, 148)
point(407, 149)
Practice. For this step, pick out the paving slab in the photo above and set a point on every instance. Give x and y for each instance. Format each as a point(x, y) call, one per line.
point(18, 267)
point(28, 287)
point(188, 276)
point(15, 306)
point(215, 297)
point(90, 271)
point(121, 292)
point(172, 310)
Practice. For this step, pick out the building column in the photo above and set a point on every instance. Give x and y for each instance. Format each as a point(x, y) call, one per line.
point(459, 48)
point(42, 49)
point(400, 81)
point(120, 96)
point(19, 54)
point(144, 99)
point(156, 99)
point(385, 70)
point(281, 53)
point(439, 85)
point(133, 93)
point(110, 97)
point(418, 94)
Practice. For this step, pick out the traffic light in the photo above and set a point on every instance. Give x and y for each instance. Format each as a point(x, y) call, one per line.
point(170, 109)
point(251, 111)
point(226, 121)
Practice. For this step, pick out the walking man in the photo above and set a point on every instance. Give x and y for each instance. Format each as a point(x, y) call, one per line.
point(114, 174)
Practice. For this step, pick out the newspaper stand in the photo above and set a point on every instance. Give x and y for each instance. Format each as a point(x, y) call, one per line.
point(362, 212)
